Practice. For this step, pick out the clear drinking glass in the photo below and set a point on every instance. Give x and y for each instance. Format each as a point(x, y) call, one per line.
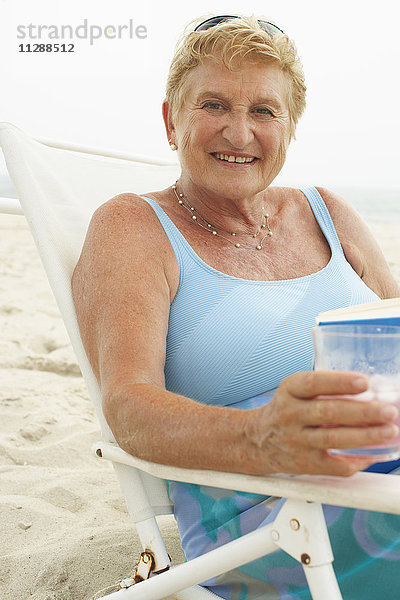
point(373, 350)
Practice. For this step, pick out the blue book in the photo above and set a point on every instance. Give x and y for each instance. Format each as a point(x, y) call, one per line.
point(382, 312)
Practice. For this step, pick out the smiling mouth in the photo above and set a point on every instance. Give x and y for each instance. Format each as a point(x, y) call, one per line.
point(234, 159)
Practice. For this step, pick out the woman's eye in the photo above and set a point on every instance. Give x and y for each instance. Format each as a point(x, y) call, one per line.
point(213, 105)
point(263, 111)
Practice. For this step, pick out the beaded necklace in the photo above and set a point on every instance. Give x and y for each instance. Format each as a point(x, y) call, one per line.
point(202, 222)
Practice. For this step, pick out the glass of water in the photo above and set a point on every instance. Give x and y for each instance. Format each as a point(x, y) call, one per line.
point(373, 350)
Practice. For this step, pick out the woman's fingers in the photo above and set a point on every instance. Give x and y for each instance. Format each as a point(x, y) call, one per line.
point(312, 461)
point(339, 466)
point(290, 431)
point(316, 383)
point(331, 400)
point(343, 410)
point(349, 437)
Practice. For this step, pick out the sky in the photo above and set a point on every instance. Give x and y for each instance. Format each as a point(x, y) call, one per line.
point(108, 93)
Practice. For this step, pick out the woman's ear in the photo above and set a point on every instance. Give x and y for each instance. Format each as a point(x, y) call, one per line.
point(169, 126)
point(167, 116)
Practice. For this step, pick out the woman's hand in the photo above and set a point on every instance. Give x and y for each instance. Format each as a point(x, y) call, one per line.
point(288, 431)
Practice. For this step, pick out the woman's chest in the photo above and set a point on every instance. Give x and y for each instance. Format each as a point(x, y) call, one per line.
point(288, 254)
point(293, 246)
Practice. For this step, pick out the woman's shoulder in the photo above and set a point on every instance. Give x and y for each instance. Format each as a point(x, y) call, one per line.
point(359, 245)
point(127, 228)
point(125, 238)
point(122, 209)
point(350, 226)
point(128, 215)
point(336, 204)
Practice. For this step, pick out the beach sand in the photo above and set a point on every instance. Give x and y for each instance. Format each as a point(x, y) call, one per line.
point(65, 532)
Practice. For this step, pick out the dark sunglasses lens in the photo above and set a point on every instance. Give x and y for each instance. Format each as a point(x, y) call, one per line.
point(213, 21)
point(270, 28)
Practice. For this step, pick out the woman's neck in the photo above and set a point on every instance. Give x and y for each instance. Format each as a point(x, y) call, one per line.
point(239, 215)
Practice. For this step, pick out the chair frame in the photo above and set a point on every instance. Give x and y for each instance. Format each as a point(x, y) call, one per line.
point(299, 528)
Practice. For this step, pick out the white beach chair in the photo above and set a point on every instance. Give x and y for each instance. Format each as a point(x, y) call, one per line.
point(59, 188)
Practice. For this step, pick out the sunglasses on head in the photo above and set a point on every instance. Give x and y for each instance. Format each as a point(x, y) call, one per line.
point(270, 28)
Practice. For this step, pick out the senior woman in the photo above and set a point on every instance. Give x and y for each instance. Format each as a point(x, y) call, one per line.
point(196, 302)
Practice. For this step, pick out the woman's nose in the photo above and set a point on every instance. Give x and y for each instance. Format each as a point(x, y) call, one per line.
point(238, 130)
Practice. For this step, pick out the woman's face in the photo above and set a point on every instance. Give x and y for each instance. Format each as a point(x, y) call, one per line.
point(233, 130)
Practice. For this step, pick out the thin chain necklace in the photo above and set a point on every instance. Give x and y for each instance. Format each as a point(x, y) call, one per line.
point(202, 222)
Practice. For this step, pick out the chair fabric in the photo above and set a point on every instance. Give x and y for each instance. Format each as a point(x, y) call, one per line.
point(59, 191)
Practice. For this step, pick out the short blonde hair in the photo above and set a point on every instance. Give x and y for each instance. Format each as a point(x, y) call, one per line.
point(229, 42)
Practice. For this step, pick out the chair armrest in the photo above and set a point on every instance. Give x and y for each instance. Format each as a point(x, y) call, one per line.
point(10, 206)
point(369, 491)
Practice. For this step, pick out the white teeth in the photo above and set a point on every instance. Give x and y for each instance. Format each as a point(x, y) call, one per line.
point(231, 158)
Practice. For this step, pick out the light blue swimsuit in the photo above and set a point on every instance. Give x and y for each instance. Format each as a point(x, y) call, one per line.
point(230, 342)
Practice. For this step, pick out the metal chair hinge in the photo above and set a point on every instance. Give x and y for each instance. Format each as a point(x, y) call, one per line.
point(143, 570)
point(144, 567)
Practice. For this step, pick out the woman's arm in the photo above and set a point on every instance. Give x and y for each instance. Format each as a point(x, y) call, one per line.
point(360, 247)
point(123, 285)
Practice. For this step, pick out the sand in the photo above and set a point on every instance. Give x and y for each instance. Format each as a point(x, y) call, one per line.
point(65, 532)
